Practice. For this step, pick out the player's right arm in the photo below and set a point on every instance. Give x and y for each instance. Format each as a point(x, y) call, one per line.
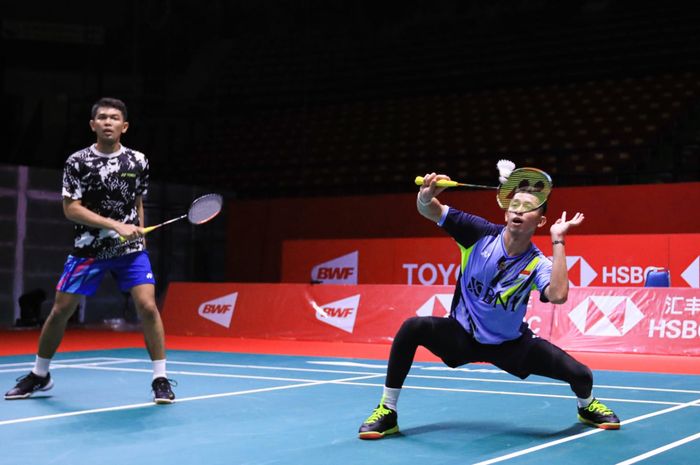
point(427, 203)
point(75, 211)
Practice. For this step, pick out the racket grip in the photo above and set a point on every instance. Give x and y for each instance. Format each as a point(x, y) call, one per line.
point(145, 231)
point(440, 183)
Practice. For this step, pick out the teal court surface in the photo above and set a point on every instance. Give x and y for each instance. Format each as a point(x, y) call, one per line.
point(237, 408)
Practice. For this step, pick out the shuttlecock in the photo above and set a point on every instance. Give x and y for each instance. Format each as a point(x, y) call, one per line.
point(505, 167)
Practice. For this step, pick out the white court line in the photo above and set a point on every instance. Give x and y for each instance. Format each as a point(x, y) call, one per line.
point(199, 373)
point(659, 450)
point(525, 394)
point(486, 380)
point(113, 361)
point(68, 360)
point(179, 401)
point(546, 445)
point(370, 375)
point(63, 364)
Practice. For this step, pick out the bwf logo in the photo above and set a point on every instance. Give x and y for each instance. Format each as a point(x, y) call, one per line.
point(220, 310)
point(599, 315)
point(340, 314)
point(580, 272)
point(341, 270)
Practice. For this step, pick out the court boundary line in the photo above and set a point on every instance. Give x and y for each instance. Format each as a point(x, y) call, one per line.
point(660, 450)
point(117, 360)
point(556, 442)
point(182, 400)
point(93, 366)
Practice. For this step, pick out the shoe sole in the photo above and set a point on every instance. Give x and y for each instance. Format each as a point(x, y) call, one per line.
point(378, 434)
point(29, 394)
point(599, 425)
point(163, 401)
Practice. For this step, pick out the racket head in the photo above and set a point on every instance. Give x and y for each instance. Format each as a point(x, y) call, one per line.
point(531, 180)
point(205, 208)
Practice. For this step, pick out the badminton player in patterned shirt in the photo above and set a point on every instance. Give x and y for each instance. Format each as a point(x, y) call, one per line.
point(500, 265)
point(103, 189)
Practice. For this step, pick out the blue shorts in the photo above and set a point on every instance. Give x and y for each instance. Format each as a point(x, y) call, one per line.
point(84, 275)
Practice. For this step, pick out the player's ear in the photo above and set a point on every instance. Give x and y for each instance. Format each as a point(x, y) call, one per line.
point(542, 222)
point(92, 125)
point(125, 127)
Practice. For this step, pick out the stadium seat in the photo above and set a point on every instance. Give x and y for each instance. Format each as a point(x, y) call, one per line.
point(659, 277)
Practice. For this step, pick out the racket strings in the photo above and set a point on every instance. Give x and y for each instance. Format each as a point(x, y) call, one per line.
point(529, 180)
point(205, 208)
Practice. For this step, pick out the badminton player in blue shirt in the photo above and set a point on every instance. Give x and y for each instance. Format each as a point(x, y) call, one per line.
point(500, 266)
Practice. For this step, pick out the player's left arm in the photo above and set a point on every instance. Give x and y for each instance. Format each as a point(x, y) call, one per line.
point(558, 290)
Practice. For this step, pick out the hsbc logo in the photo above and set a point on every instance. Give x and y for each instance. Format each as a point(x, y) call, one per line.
point(606, 315)
point(437, 305)
point(341, 270)
point(691, 275)
point(580, 272)
point(340, 314)
point(220, 310)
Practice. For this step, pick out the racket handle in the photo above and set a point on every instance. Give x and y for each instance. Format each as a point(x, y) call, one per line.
point(440, 183)
point(145, 231)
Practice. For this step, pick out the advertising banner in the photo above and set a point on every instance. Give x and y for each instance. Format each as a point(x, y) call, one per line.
point(602, 261)
point(662, 321)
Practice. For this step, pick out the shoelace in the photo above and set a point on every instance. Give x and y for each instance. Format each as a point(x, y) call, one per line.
point(27, 377)
point(378, 413)
point(599, 407)
point(164, 384)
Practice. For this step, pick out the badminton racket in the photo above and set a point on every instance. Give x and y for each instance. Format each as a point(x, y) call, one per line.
point(202, 209)
point(531, 180)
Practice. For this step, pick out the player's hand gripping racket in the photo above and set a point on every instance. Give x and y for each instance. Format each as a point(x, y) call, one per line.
point(203, 209)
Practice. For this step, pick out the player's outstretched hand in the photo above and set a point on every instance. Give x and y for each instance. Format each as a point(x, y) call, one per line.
point(561, 226)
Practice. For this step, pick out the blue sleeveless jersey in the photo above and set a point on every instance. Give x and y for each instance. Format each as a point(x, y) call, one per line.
point(493, 289)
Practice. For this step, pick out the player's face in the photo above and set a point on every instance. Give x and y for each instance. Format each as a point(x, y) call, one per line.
point(521, 221)
point(108, 125)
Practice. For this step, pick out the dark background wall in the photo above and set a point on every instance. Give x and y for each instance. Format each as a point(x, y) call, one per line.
point(273, 98)
point(309, 112)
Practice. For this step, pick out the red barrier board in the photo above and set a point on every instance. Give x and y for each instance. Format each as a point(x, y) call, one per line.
point(632, 320)
point(625, 320)
point(599, 260)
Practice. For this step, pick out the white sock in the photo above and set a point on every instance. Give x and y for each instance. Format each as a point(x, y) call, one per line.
point(41, 366)
point(390, 397)
point(583, 403)
point(159, 369)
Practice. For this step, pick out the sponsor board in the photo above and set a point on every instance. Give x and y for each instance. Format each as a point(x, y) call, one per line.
point(592, 261)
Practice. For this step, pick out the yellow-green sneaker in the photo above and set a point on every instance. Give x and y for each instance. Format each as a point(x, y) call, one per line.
point(599, 415)
point(383, 421)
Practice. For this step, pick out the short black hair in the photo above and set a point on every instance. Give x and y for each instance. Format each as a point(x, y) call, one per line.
point(109, 102)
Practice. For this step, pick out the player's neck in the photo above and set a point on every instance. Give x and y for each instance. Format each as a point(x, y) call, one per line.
point(516, 244)
point(107, 147)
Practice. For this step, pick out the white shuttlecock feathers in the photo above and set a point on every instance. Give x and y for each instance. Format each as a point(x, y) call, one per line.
point(505, 167)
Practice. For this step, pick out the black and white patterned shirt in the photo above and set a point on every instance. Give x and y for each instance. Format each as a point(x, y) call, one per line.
point(108, 185)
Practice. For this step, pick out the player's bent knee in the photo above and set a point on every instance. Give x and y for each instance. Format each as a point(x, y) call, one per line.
point(148, 312)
